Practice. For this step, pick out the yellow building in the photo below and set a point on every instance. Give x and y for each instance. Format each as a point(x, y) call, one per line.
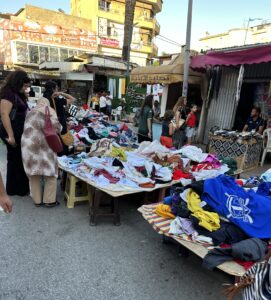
point(107, 17)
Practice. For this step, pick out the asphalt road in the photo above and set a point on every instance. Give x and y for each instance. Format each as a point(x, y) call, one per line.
point(53, 254)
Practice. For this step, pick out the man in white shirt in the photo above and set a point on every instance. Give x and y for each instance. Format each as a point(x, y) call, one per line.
point(103, 102)
point(109, 104)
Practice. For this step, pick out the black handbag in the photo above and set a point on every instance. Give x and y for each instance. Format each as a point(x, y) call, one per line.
point(12, 116)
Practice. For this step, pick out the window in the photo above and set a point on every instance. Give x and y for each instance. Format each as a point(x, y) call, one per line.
point(44, 54)
point(104, 5)
point(33, 54)
point(63, 54)
point(54, 54)
point(72, 52)
point(22, 53)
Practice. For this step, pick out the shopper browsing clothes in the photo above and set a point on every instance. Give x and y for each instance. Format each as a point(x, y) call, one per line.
point(103, 102)
point(180, 114)
point(167, 129)
point(156, 110)
point(94, 102)
point(14, 107)
point(58, 101)
point(255, 122)
point(145, 120)
point(40, 161)
point(191, 123)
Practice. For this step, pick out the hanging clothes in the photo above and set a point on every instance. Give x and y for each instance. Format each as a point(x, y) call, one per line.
point(120, 88)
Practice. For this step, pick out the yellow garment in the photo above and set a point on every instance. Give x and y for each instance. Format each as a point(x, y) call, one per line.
point(208, 220)
point(95, 100)
point(123, 86)
point(164, 210)
point(118, 153)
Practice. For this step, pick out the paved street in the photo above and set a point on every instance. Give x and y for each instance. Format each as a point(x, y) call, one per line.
point(54, 254)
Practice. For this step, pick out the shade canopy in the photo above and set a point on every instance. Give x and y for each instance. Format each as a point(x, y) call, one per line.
point(165, 74)
point(253, 55)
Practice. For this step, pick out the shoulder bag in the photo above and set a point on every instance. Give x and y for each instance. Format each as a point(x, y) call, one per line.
point(255, 283)
point(50, 134)
point(66, 138)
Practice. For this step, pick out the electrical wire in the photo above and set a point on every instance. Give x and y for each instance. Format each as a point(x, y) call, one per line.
point(169, 39)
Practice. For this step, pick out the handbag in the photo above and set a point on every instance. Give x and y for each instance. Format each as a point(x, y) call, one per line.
point(255, 283)
point(50, 134)
point(67, 138)
point(12, 116)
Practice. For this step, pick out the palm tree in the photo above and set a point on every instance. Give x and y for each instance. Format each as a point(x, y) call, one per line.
point(128, 28)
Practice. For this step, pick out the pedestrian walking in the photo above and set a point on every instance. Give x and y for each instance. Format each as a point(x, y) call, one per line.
point(40, 161)
point(145, 120)
point(13, 108)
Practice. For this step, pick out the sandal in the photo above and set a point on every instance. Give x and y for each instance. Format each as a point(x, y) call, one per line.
point(38, 204)
point(54, 204)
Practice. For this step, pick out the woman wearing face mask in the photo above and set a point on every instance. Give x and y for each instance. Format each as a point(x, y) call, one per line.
point(13, 106)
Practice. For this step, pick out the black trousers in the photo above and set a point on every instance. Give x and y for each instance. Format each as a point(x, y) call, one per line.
point(17, 181)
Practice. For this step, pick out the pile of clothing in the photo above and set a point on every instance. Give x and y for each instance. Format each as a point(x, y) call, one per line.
point(94, 127)
point(233, 218)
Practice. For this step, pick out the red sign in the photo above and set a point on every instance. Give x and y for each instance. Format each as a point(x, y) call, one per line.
point(109, 42)
point(50, 34)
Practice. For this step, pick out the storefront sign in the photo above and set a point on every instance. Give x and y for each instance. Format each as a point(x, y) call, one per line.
point(109, 42)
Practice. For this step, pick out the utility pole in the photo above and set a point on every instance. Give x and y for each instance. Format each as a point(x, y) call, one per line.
point(187, 49)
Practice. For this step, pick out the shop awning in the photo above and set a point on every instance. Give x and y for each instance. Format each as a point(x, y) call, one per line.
point(253, 55)
point(165, 74)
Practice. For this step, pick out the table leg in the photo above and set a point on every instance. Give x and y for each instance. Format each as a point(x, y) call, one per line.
point(94, 208)
point(162, 194)
point(116, 211)
point(183, 252)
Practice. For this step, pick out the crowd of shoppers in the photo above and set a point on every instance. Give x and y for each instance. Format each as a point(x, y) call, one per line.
point(30, 159)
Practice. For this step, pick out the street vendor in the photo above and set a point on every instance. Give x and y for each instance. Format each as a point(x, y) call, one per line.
point(255, 122)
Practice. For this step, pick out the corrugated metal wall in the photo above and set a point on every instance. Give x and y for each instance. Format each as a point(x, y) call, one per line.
point(221, 111)
point(258, 71)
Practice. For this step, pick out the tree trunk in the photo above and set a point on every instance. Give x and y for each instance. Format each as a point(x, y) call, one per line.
point(128, 27)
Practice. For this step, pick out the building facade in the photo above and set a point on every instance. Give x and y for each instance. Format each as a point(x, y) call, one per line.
point(236, 37)
point(34, 35)
point(107, 18)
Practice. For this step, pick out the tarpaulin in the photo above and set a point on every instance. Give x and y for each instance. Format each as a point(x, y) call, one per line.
point(255, 55)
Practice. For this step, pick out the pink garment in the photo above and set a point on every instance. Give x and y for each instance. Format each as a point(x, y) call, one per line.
point(213, 160)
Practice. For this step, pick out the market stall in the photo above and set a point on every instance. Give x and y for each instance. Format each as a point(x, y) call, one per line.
point(224, 221)
point(244, 148)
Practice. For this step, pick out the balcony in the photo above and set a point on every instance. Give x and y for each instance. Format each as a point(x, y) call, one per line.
point(111, 14)
point(146, 47)
point(156, 4)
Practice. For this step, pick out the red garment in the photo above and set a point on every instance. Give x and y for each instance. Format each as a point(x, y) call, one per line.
point(191, 122)
point(106, 175)
point(198, 167)
point(77, 128)
point(178, 174)
point(85, 107)
point(166, 141)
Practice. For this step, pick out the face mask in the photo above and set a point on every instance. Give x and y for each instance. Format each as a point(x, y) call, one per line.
point(27, 90)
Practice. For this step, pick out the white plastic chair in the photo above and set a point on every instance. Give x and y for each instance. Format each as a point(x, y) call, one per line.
point(117, 112)
point(266, 144)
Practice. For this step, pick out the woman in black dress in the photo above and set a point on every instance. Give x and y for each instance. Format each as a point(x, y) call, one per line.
point(14, 102)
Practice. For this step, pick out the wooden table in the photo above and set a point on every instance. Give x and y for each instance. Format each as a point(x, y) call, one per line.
point(161, 225)
point(114, 195)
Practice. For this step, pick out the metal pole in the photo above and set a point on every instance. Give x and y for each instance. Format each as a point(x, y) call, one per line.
point(248, 22)
point(187, 49)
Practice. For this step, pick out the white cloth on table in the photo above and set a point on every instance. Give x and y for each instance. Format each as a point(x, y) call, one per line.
point(181, 226)
point(148, 148)
point(266, 176)
point(207, 174)
point(192, 152)
point(135, 159)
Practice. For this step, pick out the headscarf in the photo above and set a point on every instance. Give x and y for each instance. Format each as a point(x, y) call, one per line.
point(41, 104)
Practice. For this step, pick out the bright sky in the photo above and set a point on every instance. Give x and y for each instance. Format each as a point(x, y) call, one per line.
point(214, 16)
